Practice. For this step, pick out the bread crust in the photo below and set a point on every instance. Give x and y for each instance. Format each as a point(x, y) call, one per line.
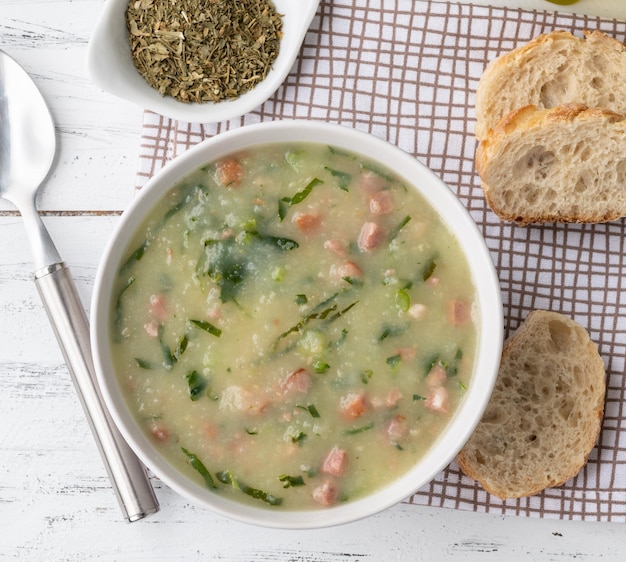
point(581, 141)
point(550, 70)
point(548, 400)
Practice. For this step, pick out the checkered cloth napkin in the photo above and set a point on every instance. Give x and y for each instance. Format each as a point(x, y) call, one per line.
point(406, 71)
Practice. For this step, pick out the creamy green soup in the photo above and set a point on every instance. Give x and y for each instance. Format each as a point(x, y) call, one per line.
point(293, 326)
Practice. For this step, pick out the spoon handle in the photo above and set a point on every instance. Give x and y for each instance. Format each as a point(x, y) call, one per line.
point(68, 318)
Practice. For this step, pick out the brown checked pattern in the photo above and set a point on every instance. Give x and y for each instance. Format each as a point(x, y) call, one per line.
point(406, 71)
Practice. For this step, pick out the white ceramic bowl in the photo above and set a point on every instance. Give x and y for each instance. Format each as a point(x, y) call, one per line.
point(452, 212)
point(110, 65)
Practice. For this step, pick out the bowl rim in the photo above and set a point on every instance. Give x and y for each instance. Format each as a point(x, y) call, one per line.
point(414, 173)
point(110, 65)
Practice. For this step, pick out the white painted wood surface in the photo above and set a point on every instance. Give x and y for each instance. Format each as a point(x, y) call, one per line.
point(55, 499)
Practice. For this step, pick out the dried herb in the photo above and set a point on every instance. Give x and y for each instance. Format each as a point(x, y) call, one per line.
point(203, 50)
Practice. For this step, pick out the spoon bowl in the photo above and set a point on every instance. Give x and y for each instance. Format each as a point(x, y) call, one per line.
point(27, 152)
point(111, 67)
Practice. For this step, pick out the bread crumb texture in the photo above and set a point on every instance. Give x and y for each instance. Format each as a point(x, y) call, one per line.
point(545, 412)
point(553, 69)
point(565, 164)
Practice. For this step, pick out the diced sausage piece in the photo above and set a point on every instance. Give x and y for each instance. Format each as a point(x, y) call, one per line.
point(370, 182)
point(407, 353)
point(381, 203)
point(459, 313)
point(437, 399)
point(417, 310)
point(306, 222)
point(370, 237)
point(353, 405)
point(436, 377)
point(157, 307)
point(389, 401)
point(393, 397)
point(346, 271)
point(159, 431)
point(335, 247)
point(396, 429)
point(326, 493)
point(229, 172)
point(335, 462)
point(297, 382)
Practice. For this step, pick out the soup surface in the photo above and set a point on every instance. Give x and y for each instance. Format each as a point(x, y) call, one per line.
point(293, 326)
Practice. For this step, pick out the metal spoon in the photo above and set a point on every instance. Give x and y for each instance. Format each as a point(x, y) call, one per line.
point(27, 151)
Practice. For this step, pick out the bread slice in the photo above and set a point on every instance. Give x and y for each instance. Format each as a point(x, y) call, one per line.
point(544, 415)
point(566, 164)
point(550, 70)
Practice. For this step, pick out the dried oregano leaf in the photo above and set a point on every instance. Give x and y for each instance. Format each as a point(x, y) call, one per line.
point(203, 50)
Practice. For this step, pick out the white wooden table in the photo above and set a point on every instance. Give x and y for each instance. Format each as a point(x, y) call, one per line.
point(55, 499)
